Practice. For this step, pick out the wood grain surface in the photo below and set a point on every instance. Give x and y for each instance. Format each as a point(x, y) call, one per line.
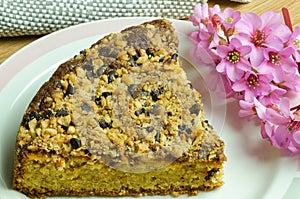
point(10, 45)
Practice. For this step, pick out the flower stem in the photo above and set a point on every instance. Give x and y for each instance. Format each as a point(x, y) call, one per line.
point(287, 18)
point(295, 108)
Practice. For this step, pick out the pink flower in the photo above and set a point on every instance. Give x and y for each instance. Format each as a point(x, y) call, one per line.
point(256, 60)
point(219, 83)
point(229, 17)
point(233, 63)
point(278, 63)
point(261, 32)
point(200, 14)
point(279, 114)
point(214, 10)
point(214, 16)
point(294, 42)
point(247, 109)
point(252, 109)
point(204, 56)
point(295, 142)
point(291, 82)
point(206, 37)
point(253, 85)
point(281, 127)
point(273, 97)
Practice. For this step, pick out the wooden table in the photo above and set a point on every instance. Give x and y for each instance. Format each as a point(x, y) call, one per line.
point(10, 45)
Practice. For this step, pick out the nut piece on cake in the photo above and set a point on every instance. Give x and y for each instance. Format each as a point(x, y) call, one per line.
point(120, 118)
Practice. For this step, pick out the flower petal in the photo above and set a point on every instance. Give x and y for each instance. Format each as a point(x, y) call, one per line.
point(296, 138)
point(233, 72)
point(249, 23)
point(221, 67)
point(256, 56)
point(239, 86)
point(271, 17)
point(274, 42)
point(276, 118)
point(223, 51)
point(244, 50)
point(285, 106)
point(260, 109)
point(249, 95)
point(281, 136)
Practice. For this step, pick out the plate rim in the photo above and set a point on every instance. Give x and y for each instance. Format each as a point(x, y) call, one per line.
point(9, 62)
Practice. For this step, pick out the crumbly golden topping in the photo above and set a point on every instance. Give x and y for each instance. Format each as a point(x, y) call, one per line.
point(125, 101)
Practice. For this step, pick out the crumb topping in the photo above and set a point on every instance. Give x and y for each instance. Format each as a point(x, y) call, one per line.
point(125, 101)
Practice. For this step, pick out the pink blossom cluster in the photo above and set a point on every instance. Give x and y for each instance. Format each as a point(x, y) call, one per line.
point(256, 60)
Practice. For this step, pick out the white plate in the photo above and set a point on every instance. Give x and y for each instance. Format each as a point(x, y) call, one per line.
point(254, 169)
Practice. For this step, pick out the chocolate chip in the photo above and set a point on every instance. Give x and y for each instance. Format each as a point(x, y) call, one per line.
point(90, 74)
point(70, 90)
point(28, 118)
point(137, 112)
point(62, 112)
point(188, 131)
point(104, 51)
point(34, 115)
point(194, 109)
point(85, 107)
point(174, 56)
point(154, 95)
point(47, 114)
point(106, 94)
point(193, 122)
point(65, 128)
point(86, 151)
point(136, 56)
point(100, 70)
point(132, 89)
point(211, 173)
point(83, 52)
point(103, 124)
point(161, 59)
point(98, 101)
point(143, 93)
point(138, 38)
point(75, 143)
point(182, 127)
point(88, 67)
point(131, 62)
point(208, 124)
point(150, 52)
point(143, 110)
point(112, 75)
point(107, 52)
point(157, 137)
point(154, 109)
point(113, 54)
point(149, 129)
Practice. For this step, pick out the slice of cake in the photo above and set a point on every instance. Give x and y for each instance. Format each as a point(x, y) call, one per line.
point(120, 118)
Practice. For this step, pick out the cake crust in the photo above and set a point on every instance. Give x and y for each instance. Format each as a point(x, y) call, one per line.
point(96, 91)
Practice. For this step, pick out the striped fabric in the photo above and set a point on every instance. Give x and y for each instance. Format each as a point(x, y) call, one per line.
point(33, 17)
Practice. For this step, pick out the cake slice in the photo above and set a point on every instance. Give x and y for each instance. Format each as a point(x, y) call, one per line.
point(118, 119)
